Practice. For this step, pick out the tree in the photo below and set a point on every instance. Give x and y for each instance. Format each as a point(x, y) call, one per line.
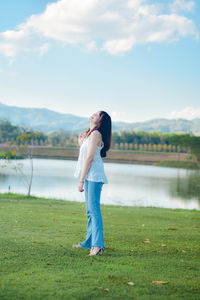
point(188, 141)
point(23, 145)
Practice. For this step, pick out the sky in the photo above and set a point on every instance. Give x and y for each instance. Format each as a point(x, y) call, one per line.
point(136, 59)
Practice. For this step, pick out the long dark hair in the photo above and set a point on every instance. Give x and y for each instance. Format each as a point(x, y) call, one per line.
point(105, 128)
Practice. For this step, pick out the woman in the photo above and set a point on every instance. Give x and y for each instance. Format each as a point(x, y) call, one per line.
point(90, 169)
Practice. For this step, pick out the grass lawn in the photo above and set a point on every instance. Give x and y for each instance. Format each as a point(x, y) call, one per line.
point(144, 244)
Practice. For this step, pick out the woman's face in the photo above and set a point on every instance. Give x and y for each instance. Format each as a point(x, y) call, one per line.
point(95, 118)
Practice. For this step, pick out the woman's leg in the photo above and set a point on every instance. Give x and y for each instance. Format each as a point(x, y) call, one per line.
point(88, 242)
point(94, 195)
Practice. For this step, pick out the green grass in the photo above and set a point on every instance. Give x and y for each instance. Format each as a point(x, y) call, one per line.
point(178, 164)
point(38, 261)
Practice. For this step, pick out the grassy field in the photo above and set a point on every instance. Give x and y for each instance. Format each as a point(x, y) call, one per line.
point(143, 244)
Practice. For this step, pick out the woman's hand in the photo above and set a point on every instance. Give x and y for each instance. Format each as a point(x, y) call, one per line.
point(80, 138)
point(80, 186)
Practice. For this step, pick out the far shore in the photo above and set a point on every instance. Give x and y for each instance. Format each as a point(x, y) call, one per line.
point(166, 159)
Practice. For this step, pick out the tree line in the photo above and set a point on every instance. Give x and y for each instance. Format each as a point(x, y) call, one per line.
point(123, 140)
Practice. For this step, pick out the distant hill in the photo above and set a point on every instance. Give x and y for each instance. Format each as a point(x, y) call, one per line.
point(48, 120)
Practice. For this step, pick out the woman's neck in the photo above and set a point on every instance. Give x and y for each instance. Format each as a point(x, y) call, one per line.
point(92, 126)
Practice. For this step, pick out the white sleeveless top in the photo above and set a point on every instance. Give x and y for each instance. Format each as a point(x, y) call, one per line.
point(96, 171)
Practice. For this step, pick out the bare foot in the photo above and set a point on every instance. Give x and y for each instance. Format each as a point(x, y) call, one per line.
point(77, 246)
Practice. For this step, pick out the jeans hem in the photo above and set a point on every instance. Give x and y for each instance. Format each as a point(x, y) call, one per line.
point(99, 246)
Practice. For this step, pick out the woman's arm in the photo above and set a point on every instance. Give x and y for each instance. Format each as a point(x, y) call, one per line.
point(80, 139)
point(93, 142)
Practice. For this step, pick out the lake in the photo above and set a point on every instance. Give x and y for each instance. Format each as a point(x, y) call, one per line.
point(130, 185)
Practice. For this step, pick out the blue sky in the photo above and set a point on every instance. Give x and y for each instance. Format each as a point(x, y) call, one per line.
point(136, 59)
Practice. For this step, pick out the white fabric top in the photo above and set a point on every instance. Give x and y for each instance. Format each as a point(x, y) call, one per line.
point(96, 171)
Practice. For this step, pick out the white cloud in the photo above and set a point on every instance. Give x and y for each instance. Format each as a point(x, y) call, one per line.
point(91, 46)
point(183, 5)
point(115, 26)
point(119, 45)
point(12, 42)
point(44, 48)
point(188, 113)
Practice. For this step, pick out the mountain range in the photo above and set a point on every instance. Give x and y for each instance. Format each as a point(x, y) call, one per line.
point(47, 120)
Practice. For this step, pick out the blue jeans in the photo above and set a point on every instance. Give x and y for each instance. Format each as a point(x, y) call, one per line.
point(94, 236)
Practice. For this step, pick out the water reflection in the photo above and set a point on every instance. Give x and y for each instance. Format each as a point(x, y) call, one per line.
point(132, 185)
point(187, 187)
point(3, 177)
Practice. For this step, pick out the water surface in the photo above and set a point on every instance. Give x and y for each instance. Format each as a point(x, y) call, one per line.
point(130, 185)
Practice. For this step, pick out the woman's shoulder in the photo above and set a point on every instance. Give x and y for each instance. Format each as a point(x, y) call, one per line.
point(96, 133)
